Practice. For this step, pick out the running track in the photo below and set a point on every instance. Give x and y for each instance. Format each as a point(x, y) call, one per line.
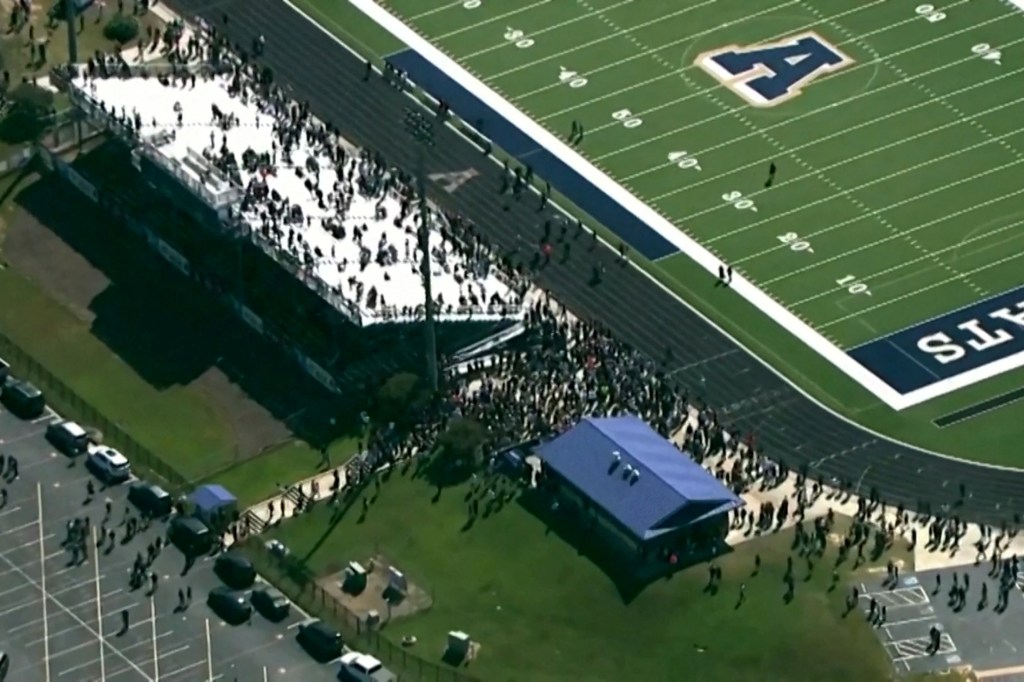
point(749, 397)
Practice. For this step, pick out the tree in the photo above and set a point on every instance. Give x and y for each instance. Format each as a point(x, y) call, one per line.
point(400, 399)
point(31, 111)
point(122, 29)
point(461, 445)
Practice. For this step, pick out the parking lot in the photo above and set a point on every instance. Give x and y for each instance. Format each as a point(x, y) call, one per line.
point(64, 621)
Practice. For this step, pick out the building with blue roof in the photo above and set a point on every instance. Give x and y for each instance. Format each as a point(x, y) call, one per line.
point(640, 484)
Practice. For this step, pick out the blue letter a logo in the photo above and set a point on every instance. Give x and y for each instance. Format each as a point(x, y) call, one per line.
point(767, 75)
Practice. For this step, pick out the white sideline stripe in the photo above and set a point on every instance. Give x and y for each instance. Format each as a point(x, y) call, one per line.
point(878, 61)
point(807, 114)
point(491, 20)
point(436, 10)
point(591, 43)
point(664, 227)
point(931, 255)
point(455, 129)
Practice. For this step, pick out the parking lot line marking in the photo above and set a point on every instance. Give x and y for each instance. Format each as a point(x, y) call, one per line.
point(96, 660)
point(42, 582)
point(25, 576)
point(209, 654)
point(184, 668)
point(156, 654)
point(908, 621)
point(99, 608)
point(5, 512)
point(265, 674)
point(23, 526)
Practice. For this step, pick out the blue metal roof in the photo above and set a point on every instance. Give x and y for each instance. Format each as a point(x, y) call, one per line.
point(650, 489)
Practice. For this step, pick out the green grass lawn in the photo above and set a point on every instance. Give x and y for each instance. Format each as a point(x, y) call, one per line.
point(180, 423)
point(481, 28)
point(543, 612)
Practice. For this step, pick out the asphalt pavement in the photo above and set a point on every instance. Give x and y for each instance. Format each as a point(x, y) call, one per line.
point(749, 396)
point(62, 621)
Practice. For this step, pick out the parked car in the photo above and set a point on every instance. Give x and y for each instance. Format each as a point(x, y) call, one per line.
point(357, 667)
point(23, 399)
point(271, 602)
point(152, 500)
point(5, 665)
point(321, 640)
point(68, 437)
point(190, 535)
point(235, 570)
point(231, 605)
point(109, 465)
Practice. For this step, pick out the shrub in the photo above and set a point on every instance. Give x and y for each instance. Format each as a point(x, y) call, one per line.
point(31, 111)
point(121, 29)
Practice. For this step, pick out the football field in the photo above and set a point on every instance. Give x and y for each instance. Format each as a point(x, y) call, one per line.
point(858, 165)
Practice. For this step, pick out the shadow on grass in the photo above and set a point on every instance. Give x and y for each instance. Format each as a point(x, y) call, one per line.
point(630, 574)
point(169, 329)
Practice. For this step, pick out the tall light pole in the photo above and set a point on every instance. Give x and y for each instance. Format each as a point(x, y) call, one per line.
point(421, 128)
point(69, 19)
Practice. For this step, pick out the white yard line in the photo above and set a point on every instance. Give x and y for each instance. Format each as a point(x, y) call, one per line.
point(677, 71)
point(807, 114)
point(712, 91)
point(954, 247)
point(443, 8)
point(490, 20)
point(817, 172)
point(861, 186)
point(665, 227)
point(900, 73)
point(562, 24)
point(870, 152)
point(922, 290)
point(960, 212)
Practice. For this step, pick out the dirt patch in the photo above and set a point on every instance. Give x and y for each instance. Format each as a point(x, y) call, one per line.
point(377, 595)
point(255, 428)
point(38, 253)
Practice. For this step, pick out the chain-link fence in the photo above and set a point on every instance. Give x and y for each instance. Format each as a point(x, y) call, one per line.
point(63, 399)
point(296, 580)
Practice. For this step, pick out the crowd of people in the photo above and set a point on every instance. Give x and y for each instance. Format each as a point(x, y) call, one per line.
point(347, 221)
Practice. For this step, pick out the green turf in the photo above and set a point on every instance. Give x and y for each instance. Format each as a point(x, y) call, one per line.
point(258, 479)
point(736, 160)
point(178, 422)
point(543, 612)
